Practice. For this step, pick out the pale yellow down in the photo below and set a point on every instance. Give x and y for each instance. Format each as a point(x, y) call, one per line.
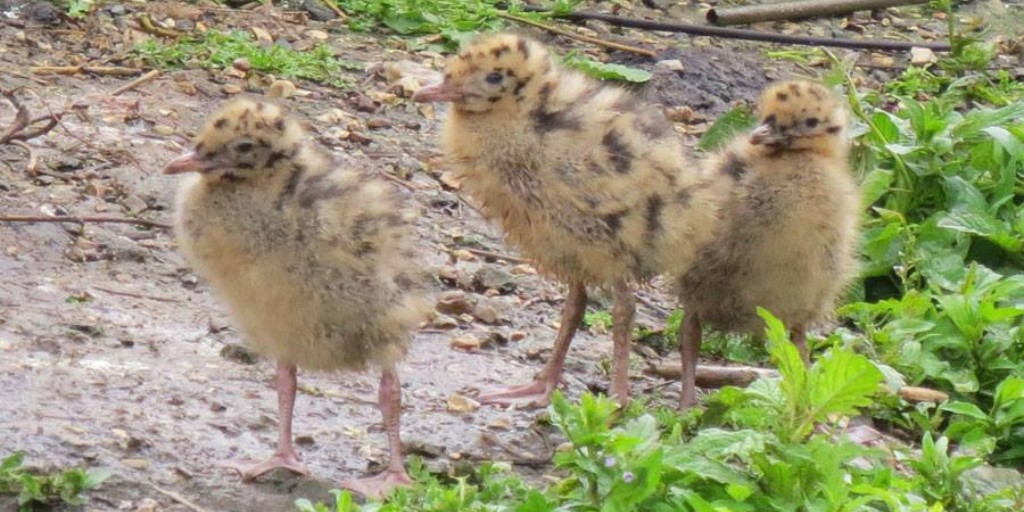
point(313, 261)
point(586, 180)
point(789, 233)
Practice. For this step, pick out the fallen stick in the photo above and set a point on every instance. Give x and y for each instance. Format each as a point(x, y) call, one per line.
point(916, 394)
point(137, 82)
point(30, 167)
point(84, 220)
point(494, 255)
point(332, 5)
point(797, 10)
point(19, 127)
point(21, 117)
point(714, 376)
point(580, 37)
point(735, 33)
point(135, 295)
point(742, 376)
point(93, 70)
point(147, 25)
point(179, 498)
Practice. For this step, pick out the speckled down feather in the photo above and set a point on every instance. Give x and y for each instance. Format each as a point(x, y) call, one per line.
point(584, 178)
point(789, 232)
point(314, 261)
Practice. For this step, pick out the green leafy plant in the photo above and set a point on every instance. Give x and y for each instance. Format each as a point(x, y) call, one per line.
point(453, 20)
point(604, 70)
point(36, 490)
point(218, 50)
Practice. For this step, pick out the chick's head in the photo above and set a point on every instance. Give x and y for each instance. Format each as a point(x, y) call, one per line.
point(245, 138)
point(491, 72)
point(799, 114)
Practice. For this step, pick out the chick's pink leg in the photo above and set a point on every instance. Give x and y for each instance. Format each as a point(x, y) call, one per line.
point(390, 398)
point(689, 349)
point(799, 337)
point(622, 338)
point(538, 393)
point(285, 456)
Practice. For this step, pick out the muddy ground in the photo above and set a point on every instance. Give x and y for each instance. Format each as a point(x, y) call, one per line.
point(113, 354)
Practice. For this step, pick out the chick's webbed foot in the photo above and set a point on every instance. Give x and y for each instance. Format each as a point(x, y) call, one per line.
point(534, 395)
point(378, 486)
point(251, 470)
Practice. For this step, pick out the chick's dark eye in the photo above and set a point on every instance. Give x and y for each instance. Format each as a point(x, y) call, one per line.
point(243, 147)
point(495, 78)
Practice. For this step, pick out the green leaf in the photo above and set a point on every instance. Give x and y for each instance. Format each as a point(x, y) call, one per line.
point(726, 127)
point(964, 409)
point(841, 382)
point(605, 70)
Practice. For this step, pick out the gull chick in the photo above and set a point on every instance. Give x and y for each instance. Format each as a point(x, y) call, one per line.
point(788, 233)
point(312, 260)
point(586, 180)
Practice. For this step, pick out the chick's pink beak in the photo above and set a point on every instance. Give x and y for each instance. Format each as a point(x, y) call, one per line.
point(437, 92)
point(188, 162)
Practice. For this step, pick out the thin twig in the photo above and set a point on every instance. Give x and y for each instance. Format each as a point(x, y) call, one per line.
point(147, 25)
point(395, 179)
point(179, 498)
point(337, 10)
point(137, 82)
point(26, 76)
point(30, 167)
point(92, 70)
point(580, 37)
point(20, 118)
point(84, 220)
point(136, 295)
point(735, 33)
point(495, 255)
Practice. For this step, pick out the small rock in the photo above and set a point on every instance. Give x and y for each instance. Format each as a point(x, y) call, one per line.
point(262, 35)
point(375, 123)
point(230, 89)
point(454, 303)
point(487, 313)
point(305, 440)
point(362, 103)
point(134, 204)
point(386, 98)
point(467, 342)
point(459, 403)
point(494, 278)
point(444, 322)
point(683, 114)
point(163, 129)
point(670, 65)
point(136, 463)
point(317, 35)
point(147, 505)
point(517, 336)
point(501, 423)
point(922, 56)
point(524, 269)
point(447, 274)
point(217, 407)
point(281, 89)
point(241, 64)
point(359, 138)
point(238, 353)
point(463, 255)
